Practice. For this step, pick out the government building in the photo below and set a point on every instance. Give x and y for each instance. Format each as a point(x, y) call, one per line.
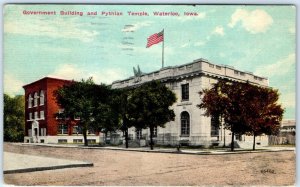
point(190, 126)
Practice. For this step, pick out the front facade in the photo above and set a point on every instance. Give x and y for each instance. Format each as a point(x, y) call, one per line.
point(41, 122)
point(190, 126)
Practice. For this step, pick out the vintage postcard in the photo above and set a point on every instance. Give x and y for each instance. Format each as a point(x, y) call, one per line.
point(149, 95)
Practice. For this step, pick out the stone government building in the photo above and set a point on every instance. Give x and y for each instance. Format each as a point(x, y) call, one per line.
point(189, 127)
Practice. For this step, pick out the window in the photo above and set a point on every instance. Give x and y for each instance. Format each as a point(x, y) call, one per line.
point(77, 140)
point(236, 72)
point(62, 129)
point(218, 67)
point(214, 125)
point(43, 132)
point(62, 141)
point(29, 132)
point(238, 137)
point(42, 115)
point(185, 92)
point(211, 66)
point(60, 114)
point(35, 102)
point(138, 133)
point(42, 98)
point(185, 124)
point(77, 130)
point(242, 73)
point(189, 66)
point(30, 116)
point(30, 101)
point(36, 115)
point(91, 141)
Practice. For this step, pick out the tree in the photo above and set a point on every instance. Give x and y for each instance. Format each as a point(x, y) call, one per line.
point(14, 118)
point(150, 106)
point(88, 102)
point(264, 114)
point(120, 106)
point(246, 108)
point(215, 102)
point(223, 100)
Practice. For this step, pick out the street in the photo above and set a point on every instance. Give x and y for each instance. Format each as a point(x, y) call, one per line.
point(128, 168)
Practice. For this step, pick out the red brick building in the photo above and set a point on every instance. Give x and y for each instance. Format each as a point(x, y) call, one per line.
point(41, 123)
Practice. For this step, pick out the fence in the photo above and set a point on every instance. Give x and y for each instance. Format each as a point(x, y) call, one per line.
point(280, 140)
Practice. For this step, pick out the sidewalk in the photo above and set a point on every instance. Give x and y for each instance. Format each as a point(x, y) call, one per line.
point(20, 163)
point(174, 150)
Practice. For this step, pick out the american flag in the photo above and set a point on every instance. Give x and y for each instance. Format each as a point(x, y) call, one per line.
point(155, 38)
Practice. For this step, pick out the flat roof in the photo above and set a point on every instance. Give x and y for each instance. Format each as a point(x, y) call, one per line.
point(45, 78)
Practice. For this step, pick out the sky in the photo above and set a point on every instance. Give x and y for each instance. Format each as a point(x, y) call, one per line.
point(260, 39)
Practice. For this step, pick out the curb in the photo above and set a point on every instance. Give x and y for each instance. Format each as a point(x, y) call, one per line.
point(187, 153)
point(47, 168)
point(167, 151)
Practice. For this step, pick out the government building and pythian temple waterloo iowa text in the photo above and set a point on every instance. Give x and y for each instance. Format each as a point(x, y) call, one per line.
point(107, 13)
point(189, 127)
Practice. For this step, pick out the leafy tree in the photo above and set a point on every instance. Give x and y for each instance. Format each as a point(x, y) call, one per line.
point(150, 106)
point(215, 102)
point(263, 114)
point(246, 109)
point(223, 100)
point(87, 101)
point(121, 105)
point(14, 118)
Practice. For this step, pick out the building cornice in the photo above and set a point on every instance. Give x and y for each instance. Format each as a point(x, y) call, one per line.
point(199, 67)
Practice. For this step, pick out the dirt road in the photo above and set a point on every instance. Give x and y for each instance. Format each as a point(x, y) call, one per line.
point(137, 168)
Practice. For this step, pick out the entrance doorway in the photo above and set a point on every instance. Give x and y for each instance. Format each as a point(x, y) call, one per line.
point(35, 131)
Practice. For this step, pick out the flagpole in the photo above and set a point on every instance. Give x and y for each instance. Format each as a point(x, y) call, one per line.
point(163, 48)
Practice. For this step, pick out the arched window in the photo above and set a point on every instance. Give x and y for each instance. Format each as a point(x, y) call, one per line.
point(42, 98)
point(30, 101)
point(185, 124)
point(35, 101)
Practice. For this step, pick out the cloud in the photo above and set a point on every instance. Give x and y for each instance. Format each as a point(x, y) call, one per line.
point(199, 16)
point(73, 72)
point(136, 26)
point(68, 71)
point(12, 86)
point(281, 67)
point(219, 31)
point(184, 45)
point(54, 28)
point(255, 21)
point(288, 100)
point(107, 76)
